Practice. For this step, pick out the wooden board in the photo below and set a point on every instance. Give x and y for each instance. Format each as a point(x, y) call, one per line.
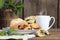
point(31, 7)
point(52, 10)
point(34, 7)
point(59, 13)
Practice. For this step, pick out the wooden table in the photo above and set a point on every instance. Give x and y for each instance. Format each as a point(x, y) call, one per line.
point(54, 35)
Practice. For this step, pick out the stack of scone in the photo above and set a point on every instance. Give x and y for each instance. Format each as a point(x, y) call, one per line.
point(28, 23)
point(31, 22)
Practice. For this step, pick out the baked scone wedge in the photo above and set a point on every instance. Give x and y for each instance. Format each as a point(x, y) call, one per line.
point(18, 23)
point(42, 33)
point(35, 26)
point(28, 28)
point(30, 19)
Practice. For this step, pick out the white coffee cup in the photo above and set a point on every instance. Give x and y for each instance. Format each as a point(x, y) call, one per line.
point(44, 21)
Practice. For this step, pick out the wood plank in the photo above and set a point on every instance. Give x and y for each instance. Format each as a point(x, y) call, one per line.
point(59, 14)
point(30, 7)
point(52, 10)
point(33, 7)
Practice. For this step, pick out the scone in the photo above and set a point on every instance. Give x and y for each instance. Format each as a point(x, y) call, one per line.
point(42, 33)
point(30, 19)
point(18, 23)
point(28, 28)
point(35, 26)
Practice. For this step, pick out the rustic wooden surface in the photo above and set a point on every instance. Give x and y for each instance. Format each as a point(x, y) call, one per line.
point(34, 7)
point(54, 35)
point(59, 14)
point(30, 7)
point(52, 10)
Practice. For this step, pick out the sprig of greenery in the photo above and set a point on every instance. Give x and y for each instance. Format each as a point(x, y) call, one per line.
point(11, 29)
point(3, 33)
point(16, 7)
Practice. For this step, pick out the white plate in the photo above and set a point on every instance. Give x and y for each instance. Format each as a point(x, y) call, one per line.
point(22, 31)
point(25, 31)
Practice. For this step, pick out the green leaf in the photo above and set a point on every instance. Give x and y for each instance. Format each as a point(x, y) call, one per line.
point(1, 3)
point(11, 29)
point(20, 5)
point(3, 33)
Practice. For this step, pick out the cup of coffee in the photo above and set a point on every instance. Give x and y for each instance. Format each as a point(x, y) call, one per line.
point(44, 21)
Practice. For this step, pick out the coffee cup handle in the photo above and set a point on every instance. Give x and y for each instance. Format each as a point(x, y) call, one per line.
point(52, 23)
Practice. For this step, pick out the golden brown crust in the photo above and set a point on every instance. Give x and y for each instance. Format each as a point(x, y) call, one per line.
point(35, 26)
point(30, 19)
point(42, 33)
point(18, 24)
point(28, 28)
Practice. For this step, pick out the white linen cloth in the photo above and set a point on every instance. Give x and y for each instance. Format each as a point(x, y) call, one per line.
point(24, 37)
